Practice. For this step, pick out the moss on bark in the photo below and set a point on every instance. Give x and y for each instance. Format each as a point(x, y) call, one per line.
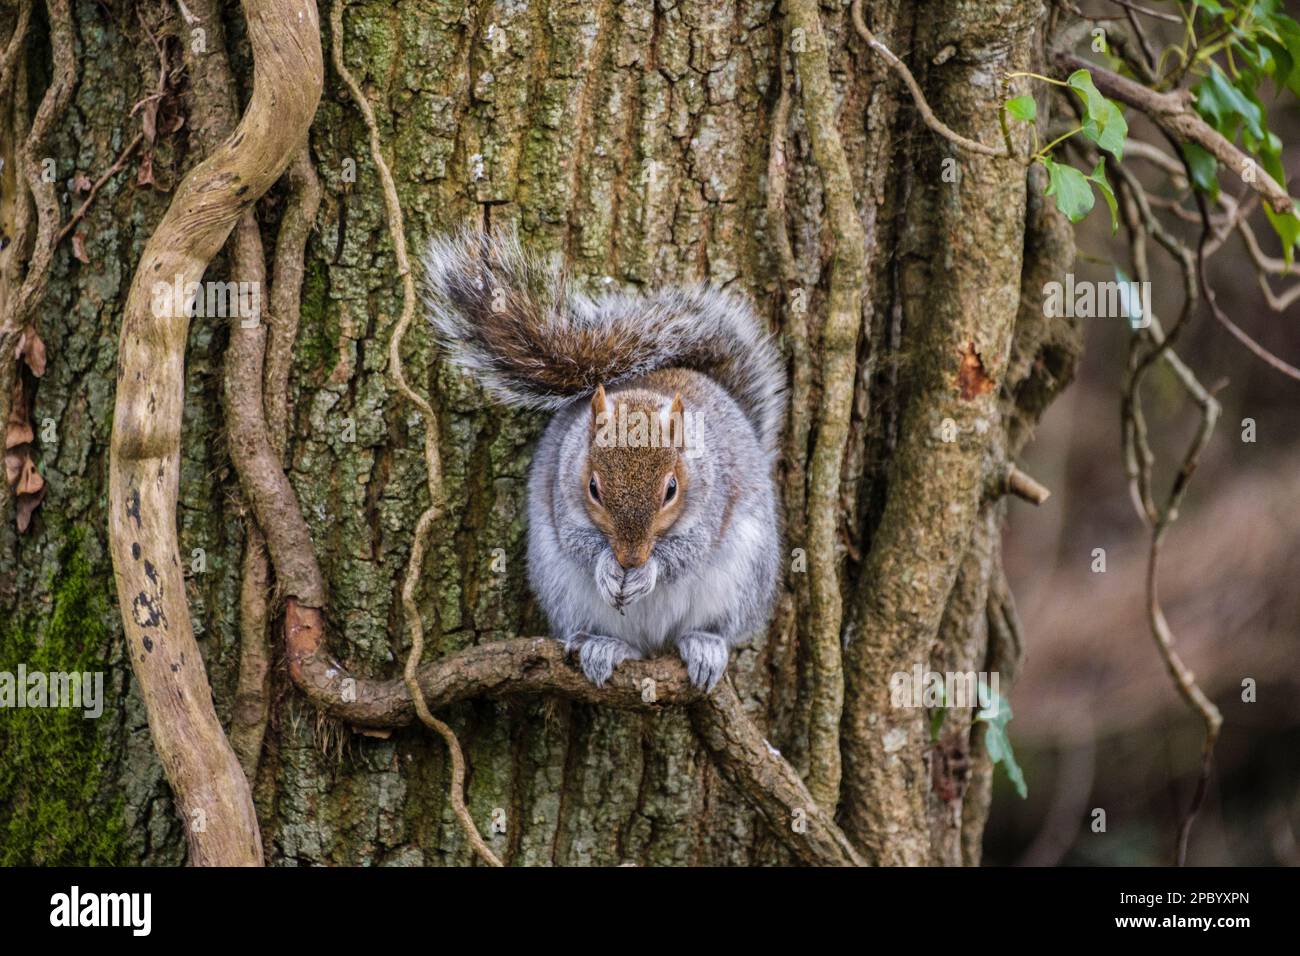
point(59, 801)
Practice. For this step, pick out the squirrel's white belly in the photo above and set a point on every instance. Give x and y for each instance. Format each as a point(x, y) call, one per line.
point(701, 600)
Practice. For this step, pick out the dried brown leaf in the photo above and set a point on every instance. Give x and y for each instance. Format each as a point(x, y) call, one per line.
point(149, 119)
point(18, 433)
point(31, 350)
point(29, 479)
point(27, 505)
point(13, 467)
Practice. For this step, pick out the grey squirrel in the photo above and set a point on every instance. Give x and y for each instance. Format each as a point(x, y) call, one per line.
point(652, 500)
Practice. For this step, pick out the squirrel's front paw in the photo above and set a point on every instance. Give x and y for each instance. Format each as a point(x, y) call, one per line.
point(599, 655)
point(609, 580)
point(619, 587)
point(705, 656)
point(638, 582)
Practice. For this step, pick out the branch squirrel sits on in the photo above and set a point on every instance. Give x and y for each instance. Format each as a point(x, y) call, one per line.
point(652, 500)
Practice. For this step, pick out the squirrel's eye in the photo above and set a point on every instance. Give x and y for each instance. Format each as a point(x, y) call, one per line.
point(670, 490)
point(593, 489)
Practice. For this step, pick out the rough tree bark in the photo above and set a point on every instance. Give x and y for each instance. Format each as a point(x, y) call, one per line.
point(635, 140)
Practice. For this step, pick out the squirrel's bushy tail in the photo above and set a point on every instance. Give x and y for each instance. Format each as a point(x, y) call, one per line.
point(513, 320)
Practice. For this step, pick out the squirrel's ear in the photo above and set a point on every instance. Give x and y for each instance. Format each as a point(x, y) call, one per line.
point(676, 432)
point(598, 404)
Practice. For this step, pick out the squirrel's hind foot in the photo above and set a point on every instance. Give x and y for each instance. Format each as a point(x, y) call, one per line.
point(705, 656)
point(599, 655)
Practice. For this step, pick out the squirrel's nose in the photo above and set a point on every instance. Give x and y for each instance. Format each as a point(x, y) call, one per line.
point(631, 558)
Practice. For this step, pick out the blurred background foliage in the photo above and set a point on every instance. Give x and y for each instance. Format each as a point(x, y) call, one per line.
point(1098, 723)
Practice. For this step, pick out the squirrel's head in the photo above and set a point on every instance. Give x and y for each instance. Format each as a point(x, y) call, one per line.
point(635, 481)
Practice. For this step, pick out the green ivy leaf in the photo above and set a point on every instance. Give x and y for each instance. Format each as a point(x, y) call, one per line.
point(1205, 169)
point(1287, 227)
point(1098, 179)
point(1288, 38)
point(1283, 63)
point(1284, 224)
point(1071, 189)
point(1257, 55)
point(1288, 34)
point(1103, 123)
point(1094, 103)
point(998, 743)
point(1266, 14)
point(1211, 6)
point(1270, 156)
point(1023, 108)
point(1225, 106)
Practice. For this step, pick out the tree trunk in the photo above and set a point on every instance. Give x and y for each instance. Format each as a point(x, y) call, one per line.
point(634, 140)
